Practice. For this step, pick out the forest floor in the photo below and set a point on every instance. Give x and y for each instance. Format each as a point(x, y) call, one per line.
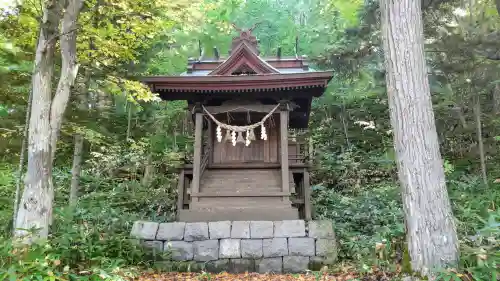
point(380, 276)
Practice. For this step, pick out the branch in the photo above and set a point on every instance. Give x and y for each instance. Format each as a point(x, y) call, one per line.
point(59, 35)
point(8, 130)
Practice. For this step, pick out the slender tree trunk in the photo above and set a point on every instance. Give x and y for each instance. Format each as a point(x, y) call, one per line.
point(83, 94)
point(69, 69)
point(129, 120)
point(344, 125)
point(21, 161)
point(35, 209)
point(479, 131)
point(496, 99)
point(310, 149)
point(431, 231)
point(148, 170)
point(76, 170)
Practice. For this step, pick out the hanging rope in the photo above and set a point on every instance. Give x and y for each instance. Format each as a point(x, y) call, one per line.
point(241, 128)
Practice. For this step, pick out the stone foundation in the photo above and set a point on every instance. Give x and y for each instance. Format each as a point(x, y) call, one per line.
point(256, 246)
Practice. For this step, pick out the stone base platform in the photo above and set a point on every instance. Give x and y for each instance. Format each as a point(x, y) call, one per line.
point(290, 246)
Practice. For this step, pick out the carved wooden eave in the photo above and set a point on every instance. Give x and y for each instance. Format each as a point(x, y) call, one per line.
point(243, 59)
point(243, 83)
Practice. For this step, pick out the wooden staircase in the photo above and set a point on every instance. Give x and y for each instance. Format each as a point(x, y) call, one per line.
point(240, 194)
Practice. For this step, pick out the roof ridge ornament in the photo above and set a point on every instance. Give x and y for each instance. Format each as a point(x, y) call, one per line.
point(246, 36)
point(239, 29)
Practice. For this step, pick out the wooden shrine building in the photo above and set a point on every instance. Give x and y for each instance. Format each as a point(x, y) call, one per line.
point(245, 164)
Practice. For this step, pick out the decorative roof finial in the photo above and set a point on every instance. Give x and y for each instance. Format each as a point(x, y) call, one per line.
point(245, 36)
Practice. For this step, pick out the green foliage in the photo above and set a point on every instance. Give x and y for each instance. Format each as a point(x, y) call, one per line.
point(370, 226)
point(7, 190)
point(125, 179)
point(44, 261)
point(90, 242)
point(365, 222)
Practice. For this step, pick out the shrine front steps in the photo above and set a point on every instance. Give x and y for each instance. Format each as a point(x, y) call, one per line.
point(238, 214)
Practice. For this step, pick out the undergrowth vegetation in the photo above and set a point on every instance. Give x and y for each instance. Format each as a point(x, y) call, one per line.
point(132, 149)
point(91, 242)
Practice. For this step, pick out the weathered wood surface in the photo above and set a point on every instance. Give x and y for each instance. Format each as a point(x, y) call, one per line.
point(180, 192)
point(197, 154)
point(285, 186)
point(258, 151)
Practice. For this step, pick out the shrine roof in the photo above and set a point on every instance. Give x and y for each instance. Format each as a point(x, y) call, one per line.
point(281, 70)
point(243, 71)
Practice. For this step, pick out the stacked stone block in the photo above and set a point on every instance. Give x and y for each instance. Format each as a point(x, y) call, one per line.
point(239, 246)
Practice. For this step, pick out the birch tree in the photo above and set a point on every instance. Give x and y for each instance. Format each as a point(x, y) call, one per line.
point(431, 232)
point(35, 209)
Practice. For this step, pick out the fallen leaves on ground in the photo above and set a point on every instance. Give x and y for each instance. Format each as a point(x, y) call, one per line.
point(260, 277)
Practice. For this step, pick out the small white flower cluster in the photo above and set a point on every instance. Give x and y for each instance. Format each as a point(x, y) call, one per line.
point(366, 125)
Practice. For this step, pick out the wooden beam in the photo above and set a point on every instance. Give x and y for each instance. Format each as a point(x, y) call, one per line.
point(241, 194)
point(188, 167)
point(211, 137)
point(298, 201)
point(197, 154)
point(285, 173)
point(187, 184)
point(180, 193)
point(307, 196)
point(263, 108)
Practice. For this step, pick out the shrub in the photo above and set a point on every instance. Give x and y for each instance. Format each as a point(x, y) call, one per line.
point(364, 222)
point(84, 244)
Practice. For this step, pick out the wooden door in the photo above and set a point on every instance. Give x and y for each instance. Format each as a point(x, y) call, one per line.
point(259, 151)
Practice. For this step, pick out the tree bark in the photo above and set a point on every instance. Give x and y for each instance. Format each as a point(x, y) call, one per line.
point(479, 131)
point(76, 169)
point(496, 99)
point(148, 170)
point(21, 161)
point(431, 231)
point(69, 70)
point(35, 209)
point(129, 121)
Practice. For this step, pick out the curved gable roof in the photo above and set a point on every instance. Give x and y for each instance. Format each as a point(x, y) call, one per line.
point(244, 58)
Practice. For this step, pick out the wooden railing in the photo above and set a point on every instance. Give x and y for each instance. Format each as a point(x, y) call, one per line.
point(298, 146)
point(204, 161)
point(207, 149)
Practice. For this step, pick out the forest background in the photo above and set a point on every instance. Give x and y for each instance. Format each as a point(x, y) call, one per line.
point(129, 144)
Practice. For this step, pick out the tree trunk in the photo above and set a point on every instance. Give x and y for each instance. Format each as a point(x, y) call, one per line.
point(21, 161)
point(82, 96)
point(482, 157)
point(431, 232)
point(69, 69)
point(76, 169)
point(148, 170)
point(496, 99)
point(129, 121)
point(35, 209)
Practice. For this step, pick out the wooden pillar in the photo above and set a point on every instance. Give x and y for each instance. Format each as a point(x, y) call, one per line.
point(307, 195)
point(211, 134)
point(285, 174)
point(198, 131)
point(180, 193)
